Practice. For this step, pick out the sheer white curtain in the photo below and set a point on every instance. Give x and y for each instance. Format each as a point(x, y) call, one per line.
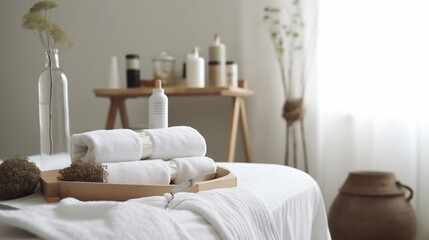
point(373, 95)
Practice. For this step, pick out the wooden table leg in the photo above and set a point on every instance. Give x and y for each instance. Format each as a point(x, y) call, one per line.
point(245, 130)
point(111, 116)
point(123, 114)
point(233, 129)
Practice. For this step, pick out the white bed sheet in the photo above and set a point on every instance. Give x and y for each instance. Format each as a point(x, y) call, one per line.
point(292, 196)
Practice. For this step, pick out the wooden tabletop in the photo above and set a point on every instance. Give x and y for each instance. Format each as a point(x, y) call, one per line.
point(175, 91)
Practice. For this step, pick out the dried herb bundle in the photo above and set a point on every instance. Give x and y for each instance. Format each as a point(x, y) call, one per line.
point(81, 171)
point(18, 177)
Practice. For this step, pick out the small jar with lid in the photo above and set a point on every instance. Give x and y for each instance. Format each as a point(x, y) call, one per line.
point(231, 74)
point(163, 68)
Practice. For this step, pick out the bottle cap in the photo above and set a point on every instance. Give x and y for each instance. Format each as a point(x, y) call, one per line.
point(158, 84)
point(195, 50)
point(217, 39)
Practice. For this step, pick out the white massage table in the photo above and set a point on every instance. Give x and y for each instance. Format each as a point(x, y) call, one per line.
point(292, 196)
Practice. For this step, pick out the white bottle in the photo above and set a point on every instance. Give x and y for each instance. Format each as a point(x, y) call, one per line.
point(217, 53)
point(114, 74)
point(158, 107)
point(195, 70)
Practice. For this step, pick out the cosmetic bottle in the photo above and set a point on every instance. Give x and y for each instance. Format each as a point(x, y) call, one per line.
point(214, 73)
point(114, 74)
point(133, 70)
point(217, 54)
point(158, 107)
point(195, 70)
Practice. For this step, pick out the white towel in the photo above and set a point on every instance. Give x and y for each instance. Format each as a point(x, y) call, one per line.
point(116, 145)
point(138, 172)
point(193, 168)
point(181, 141)
point(235, 213)
point(73, 219)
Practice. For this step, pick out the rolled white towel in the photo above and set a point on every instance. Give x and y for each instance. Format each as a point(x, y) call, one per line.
point(138, 172)
point(193, 168)
point(103, 146)
point(180, 141)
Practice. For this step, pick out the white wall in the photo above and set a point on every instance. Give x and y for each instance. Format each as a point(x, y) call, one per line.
point(106, 27)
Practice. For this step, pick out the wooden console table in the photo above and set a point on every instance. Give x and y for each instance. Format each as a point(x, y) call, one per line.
point(118, 96)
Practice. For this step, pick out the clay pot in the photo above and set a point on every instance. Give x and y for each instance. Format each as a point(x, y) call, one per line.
point(372, 205)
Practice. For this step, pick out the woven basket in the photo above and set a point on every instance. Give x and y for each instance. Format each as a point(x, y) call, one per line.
point(372, 206)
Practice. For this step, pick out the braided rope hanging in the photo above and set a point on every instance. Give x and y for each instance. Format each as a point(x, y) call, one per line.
point(293, 110)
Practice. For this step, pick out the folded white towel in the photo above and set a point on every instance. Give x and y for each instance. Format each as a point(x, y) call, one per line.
point(116, 145)
point(138, 172)
point(193, 168)
point(181, 141)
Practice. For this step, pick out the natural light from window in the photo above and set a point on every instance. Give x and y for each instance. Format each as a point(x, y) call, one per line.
point(373, 58)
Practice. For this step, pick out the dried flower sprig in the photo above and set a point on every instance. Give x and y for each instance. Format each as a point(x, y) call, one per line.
point(286, 27)
point(50, 34)
point(286, 35)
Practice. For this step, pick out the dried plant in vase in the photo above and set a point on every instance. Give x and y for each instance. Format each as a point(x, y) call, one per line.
point(50, 34)
point(286, 29)
point(53, 93)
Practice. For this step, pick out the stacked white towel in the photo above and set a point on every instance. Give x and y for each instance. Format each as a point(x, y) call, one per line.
point(120, 150)
point(185, 148)
point(193, 168)
point(139, 172)
point(119, 145)
point(180, 141)
point(107, 146)
point(157, 171)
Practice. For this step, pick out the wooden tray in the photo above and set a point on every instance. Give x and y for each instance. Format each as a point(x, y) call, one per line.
point(55, 190)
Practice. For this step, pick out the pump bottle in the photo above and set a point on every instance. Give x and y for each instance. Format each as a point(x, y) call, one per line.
point(195, 70)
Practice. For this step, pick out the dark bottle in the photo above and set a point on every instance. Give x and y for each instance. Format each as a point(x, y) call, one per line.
point(133, 70)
